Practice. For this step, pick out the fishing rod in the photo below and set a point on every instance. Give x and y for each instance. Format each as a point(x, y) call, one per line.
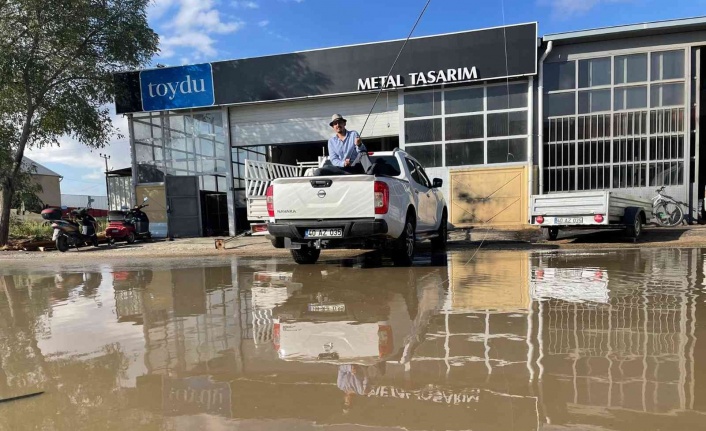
point(377, 96)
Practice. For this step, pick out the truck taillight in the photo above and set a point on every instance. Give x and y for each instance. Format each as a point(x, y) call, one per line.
point(382, 197)
point(598, 218)
point(270, 202)
point(539, 219)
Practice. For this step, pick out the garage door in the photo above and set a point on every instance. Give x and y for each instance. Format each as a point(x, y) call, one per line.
point(307, 120)
point(494, 197)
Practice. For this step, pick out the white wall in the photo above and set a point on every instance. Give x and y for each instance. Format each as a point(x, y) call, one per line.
point(307, 120)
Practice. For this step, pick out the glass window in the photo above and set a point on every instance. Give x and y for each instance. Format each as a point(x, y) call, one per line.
point(507, 150)
point(594, 72)
point(630, 98)
point(428, 155)
point(422, 104)
point(667, 95)
point(465, 153)
point(392, 166)
point(559, 104)
point(413, 171)
point(594, 101)
point(667, 65)
point(142, 130)
point(507, 124)
point(464, 100)
point(143, 153)
point(422, 130)
point(208, 183)
point(221, 183)
point(630, 68)
point(507, 97)
point(149, 173)
point(470, 127)
point(559, 76)
point(423, 178)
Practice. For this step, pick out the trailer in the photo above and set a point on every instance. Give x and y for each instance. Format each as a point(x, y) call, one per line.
point(258, 177)
point(598, 209)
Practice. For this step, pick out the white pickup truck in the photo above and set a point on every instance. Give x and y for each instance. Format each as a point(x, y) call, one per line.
point(389, 209)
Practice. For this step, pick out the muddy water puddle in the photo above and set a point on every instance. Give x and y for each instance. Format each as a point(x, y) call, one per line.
point(492, 341)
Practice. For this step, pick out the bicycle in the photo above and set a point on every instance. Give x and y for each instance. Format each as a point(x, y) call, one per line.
point(667, 211)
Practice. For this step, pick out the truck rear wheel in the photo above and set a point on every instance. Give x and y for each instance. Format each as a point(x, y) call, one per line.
point(403, 253)
point(439, 243)
point(305, 255)
point(550, 233)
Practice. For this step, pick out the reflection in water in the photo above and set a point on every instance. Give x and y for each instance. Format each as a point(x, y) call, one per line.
point(506, 340)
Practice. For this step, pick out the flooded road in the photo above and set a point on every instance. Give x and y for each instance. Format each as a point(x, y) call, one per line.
point(509, 340)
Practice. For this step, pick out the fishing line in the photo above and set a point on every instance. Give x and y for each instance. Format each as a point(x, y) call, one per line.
point(21, 397)
point(393, 65)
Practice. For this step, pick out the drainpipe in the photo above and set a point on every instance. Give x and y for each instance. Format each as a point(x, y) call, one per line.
point(540, 117)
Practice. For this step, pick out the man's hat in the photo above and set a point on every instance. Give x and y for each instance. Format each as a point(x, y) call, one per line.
point(336, 117)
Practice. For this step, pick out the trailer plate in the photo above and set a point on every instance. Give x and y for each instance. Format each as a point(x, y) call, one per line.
point(568, 220)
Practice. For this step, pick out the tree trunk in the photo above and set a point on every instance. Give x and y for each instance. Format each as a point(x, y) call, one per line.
point(6, 192)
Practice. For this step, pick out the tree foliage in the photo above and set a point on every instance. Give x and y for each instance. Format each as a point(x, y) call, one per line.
point(57, 58)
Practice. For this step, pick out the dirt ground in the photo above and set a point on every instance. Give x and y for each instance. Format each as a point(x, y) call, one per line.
point(528, 239)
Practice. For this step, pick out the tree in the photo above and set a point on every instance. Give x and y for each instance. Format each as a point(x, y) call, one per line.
point(57, 58)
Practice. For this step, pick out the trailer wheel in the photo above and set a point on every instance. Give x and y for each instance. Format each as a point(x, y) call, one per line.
point(550, 233)
point(633, 222)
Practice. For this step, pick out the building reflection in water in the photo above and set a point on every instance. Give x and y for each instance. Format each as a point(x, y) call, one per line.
point(501, 340)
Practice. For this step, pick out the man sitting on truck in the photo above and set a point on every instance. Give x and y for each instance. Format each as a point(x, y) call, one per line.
point(344, 149)
point(344, 146)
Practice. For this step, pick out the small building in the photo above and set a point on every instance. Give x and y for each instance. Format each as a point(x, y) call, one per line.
point(498, 114)
point(48, 180)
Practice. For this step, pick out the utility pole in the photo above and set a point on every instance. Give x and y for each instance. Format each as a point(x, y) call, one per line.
point(107, 193)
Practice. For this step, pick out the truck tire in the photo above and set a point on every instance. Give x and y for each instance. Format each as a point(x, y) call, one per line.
point(439, 243)
point(403, 252)
point(305, 255)
point(277, 242)
point(550, 233)
point(633, 222)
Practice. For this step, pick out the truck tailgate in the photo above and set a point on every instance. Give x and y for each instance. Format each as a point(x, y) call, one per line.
point(348, 196)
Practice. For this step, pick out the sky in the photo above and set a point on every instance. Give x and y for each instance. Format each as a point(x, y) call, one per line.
point(197, 31)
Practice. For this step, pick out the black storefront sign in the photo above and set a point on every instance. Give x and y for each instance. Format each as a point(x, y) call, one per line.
point(487, 54)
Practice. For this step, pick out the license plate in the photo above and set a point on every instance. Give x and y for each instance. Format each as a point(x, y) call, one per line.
point(327, 308)
point(568, 220)
point(330, 233)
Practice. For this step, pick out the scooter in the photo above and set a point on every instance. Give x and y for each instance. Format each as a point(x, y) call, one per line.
point(128, 225)
point(80, 230)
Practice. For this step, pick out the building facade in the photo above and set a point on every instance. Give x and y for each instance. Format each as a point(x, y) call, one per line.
point(498, 114)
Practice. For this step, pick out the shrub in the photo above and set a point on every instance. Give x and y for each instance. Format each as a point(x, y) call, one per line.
point(34, 230)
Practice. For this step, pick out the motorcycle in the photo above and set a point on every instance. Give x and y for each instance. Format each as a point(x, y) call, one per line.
point(128, 225)
point(79, 230)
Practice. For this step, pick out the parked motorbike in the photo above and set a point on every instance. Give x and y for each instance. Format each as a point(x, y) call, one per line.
point(79, 230)
point(128, 225)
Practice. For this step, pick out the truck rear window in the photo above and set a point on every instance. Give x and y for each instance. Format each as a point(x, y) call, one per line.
point(387, 165)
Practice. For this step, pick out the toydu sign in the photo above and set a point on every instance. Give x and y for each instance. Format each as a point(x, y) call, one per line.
point(177, 87)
